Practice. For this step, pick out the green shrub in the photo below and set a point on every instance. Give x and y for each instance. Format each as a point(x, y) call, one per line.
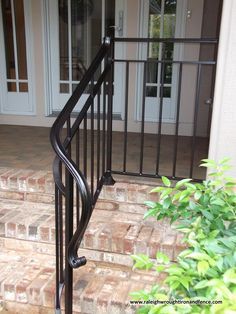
point(206, 270)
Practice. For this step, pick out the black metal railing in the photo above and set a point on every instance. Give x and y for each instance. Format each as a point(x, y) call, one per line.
point(79, 179)
point(83, 143)
point(133, 164)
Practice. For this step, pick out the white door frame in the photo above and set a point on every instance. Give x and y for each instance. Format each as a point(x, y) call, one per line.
point(18, 103)
point(51, 69)
point(170, 115)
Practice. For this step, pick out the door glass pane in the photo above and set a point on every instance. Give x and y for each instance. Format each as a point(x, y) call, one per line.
point(8, 37)
point(20, 39)
point(63, 40)
point(162, 20)
point(169, 18)
point(80, 36)
point(15, 45)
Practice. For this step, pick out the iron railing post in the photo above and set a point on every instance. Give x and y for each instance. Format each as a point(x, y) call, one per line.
point(110, 60)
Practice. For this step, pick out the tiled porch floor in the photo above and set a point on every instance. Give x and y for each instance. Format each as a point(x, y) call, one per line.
point(27, 147)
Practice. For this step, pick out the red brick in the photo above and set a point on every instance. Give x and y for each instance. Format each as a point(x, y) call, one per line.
point(88, 297)
point(93, 229)
point(167, 245)
point(141, 244)
point(44, 234)
point(49, 293)
point(106, 293)
point(12, 195)
point(39, 198)
point(37, 285)
point(119, 230)
point(11, 230)
point(104, 239)
point(155, 242)
point(130, 237)
point(105, 205)
point(119, 296)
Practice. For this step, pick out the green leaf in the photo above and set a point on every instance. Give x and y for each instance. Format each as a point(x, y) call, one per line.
point(199, 256)
point(207, 214)
point(183, 195)
point(157, 189)
point(160, 268)
point(174, 270)
point(224, 160)
point(197, 195)
point(166, 203)
point(166, 192)
point(201, 284)
point(162, 258)
point(142, 261)
point(166, 181)
point(151, 212)
point(218, 202)
point(151, 204)
point(202, 267)
point(185, 282)
point(182, 182)
point(230, 276)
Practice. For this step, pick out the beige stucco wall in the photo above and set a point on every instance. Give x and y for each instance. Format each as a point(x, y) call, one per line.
point(223, 130)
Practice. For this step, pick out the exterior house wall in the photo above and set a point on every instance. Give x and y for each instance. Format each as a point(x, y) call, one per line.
point(223, 135)
point(193, 29)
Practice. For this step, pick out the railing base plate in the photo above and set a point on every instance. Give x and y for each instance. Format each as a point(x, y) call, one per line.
point(108, 179)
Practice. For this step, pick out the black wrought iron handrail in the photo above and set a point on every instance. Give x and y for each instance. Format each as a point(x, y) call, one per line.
point(73, 174)
point(75, 179)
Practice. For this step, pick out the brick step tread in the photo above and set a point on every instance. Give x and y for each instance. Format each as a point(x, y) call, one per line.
point(29, 280)
point(110, 230)
point(38, 186)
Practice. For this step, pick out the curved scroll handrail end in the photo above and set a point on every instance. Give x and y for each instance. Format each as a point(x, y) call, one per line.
point(76, 262)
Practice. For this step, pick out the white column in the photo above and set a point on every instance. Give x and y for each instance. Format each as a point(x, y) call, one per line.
point(223, 129)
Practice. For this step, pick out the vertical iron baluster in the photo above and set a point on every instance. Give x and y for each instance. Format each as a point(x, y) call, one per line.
point(110, 62)
point(92, 138)
point(160, 108)
point(104, 129)
point(78, 165)
point(197, 95)
point(98, 135)
point(143, 117)
point(60, 223)
point(177, 119)
point(57, 240)
point(68, 231)
point(85, 145)
point(126, 115)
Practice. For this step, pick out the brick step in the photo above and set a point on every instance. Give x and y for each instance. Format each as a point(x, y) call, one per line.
point(28, 285)
point(110, 230)
point(38, 186)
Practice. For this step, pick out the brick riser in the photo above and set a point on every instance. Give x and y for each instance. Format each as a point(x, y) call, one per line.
point(28, 285)
point(110, 230)
point(116, 230)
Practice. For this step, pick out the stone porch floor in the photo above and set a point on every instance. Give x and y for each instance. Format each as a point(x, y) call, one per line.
point(26, 147)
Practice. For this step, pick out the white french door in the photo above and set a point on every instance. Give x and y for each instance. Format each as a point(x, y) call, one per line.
point(75, 32)
point(16, 62)
point(160, 19)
